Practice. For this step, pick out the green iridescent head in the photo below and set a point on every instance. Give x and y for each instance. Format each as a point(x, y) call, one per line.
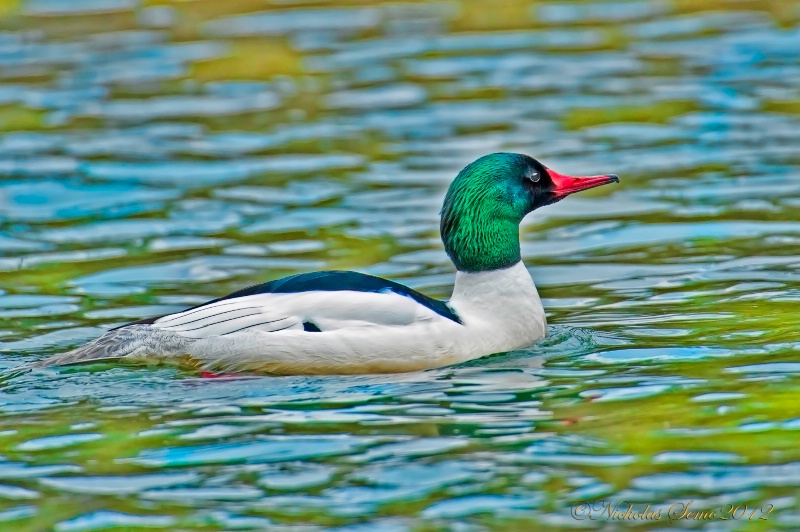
point(489, 198)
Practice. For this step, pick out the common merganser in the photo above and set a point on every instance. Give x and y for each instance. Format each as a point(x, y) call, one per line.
point(339, 322)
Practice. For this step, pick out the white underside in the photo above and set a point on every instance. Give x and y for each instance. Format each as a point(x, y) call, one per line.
point(362, 332)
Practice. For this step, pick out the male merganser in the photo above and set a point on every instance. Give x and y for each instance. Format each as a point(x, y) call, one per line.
point(336, 322)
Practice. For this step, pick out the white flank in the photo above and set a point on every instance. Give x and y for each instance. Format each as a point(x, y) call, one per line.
point(362, 332)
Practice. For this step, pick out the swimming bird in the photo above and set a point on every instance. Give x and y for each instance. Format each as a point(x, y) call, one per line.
point(342, 322)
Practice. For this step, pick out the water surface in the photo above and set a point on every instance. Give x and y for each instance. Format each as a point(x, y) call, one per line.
point(157, 154)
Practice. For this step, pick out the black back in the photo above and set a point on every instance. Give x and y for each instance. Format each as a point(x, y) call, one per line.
point(335, 280)
point(330, 281)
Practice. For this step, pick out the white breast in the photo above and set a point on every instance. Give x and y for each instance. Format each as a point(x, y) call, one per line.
point(501, 307)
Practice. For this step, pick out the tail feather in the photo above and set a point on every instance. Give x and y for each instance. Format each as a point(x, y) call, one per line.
point(135, 341)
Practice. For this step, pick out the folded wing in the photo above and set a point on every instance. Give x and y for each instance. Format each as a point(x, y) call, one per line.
point(314, 302)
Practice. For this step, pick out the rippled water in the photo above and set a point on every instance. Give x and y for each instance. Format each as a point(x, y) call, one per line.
point(157, 154)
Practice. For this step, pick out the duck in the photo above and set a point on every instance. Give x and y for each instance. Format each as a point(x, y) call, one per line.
point(345, 322)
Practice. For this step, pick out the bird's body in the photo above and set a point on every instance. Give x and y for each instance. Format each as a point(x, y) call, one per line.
point(346, 322)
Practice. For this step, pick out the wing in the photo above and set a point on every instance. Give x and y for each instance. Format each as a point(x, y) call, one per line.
point(313, 302)
point(336, 280)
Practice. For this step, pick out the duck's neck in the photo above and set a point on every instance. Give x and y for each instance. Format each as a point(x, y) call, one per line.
point(476, 241)
point(498, 292)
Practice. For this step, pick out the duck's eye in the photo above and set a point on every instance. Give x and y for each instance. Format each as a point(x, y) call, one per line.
point(533, 175)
